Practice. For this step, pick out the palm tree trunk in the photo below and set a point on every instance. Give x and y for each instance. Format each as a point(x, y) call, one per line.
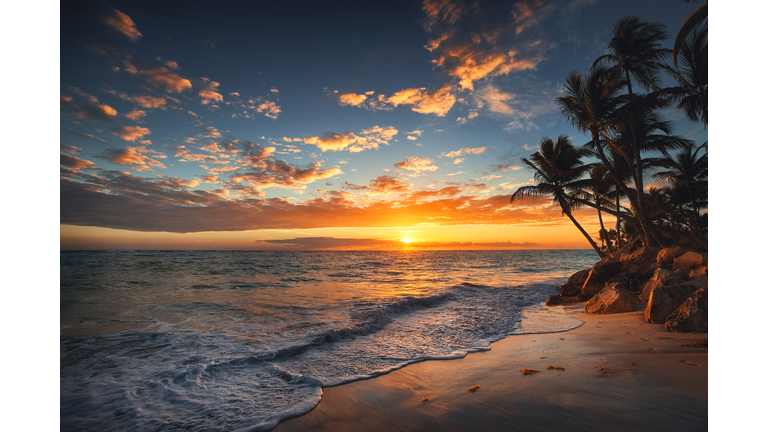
point(602, 228)
point(651, 237)
point(618, 220)
point(591, 242)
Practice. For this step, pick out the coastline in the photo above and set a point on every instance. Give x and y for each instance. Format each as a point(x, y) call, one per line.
point(648, 381)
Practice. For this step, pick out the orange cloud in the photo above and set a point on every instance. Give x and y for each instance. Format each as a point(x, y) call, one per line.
point(269, 109)
point(124, 24)
point(136, 114)
point(457, 153)
point(414, 163)
point(164, 78)
point(133, 156)
point(209, 94)
point(352, 99)
point(437, 102)
point(496, 99)
point(131, 133)
point(71, 166)
point(446, 10)
point(368, 139)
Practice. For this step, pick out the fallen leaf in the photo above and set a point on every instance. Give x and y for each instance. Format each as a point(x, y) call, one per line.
point(527, 371)
point(631, 363)
point(550, 367)
point(562, 338)
point(542, 357)
point(424, 399)
point(474, 387)
point(697, 343)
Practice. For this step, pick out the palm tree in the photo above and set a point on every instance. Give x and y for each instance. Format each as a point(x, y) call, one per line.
point(694, 21)
point(690, 170)
point(636, 51)
point(600, 189)
point(558, 169)
point(691, 76)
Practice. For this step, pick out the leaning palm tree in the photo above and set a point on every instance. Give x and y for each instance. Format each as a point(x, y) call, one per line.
point(599, 189)
point(558, 169)
point(636, 51)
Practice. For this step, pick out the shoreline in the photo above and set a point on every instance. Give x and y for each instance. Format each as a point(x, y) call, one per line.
point(647, 381)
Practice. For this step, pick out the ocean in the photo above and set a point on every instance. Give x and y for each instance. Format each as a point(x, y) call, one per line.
point(240, 340)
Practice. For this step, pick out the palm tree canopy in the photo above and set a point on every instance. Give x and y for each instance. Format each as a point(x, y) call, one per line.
point(557, 168)
point(636, 49)
point(691, 93)
point(694, 21)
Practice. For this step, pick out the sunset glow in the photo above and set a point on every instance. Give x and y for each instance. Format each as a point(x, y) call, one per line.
point(205, 130)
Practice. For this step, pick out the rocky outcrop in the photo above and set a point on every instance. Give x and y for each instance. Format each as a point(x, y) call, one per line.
point(667, 255)
point(557, 300)
point(691, 316)
point(640, 260)
point(660, 277)
point(613, 298)
point(600, 273)
point(690, 260)
point(664, 300)
point(574, 284)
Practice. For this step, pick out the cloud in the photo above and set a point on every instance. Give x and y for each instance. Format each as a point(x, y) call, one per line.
point(114, 199)
point(412, 138)
point(92, 112)
point(71, 166)
point(167, 80)
point(437, 102)
point(387, 184)
point(136, 114)
point(496, 99)
point(86, 136)
point(133, 156)
point(329, 242)
point(442, 10)
point(269, 109)
point(281, 174)
point(209, 93)
point(352, 99)
point(143, 101)
point(71, 149)
point(458, 161)
point(417, 132)
point(417, 164)
point(506, 167)
point(124, 24)
point(368, 139)
point(460, 152)
point(131, 133)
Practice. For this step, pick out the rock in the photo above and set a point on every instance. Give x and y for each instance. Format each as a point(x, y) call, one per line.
point(690, 259)
point(660, 277)
point(683, 272)
point(698, 272)
point(574, 284)
point(691, 316)
point(614, 298)
point(667, 255)
point(664, 300)
point(699, 281)
point(639, 260)
point(582, 296)
point(557, 300)
point(601, 273)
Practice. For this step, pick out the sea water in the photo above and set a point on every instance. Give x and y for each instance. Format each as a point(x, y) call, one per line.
point(240, 340)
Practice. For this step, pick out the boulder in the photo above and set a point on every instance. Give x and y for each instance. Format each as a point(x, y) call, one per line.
point(667, 255)
point(699, 281)
point(691, 316)
point(574, 284)
point(683, 272)
point(690, 259)
point(614, 298)
point(639, 260)
point(698, 272)
point(660, 277)
point(664, 300)
point(557, 300)
point(600, 273)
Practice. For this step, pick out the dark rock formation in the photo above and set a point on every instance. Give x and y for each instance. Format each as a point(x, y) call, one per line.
point(664, 300)
point(614, 298)
point(601, 273)
point(691, 316)
point(660, 277)
point(556, 300)
point(690, 259)
point(574, 284)
point(667, 255)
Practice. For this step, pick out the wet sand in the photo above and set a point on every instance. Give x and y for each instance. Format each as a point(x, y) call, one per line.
point(647, 382)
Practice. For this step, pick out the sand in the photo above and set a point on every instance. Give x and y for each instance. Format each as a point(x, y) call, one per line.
point(648, 382)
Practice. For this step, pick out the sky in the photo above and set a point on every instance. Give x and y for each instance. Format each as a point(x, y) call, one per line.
point(322, 125)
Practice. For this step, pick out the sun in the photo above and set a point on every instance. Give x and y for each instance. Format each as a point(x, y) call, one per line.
point(406, 240)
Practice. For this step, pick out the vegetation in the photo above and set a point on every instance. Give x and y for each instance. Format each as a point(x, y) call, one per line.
point(619, 104)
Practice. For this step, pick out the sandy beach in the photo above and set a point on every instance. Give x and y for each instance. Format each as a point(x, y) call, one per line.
point(619, 374)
